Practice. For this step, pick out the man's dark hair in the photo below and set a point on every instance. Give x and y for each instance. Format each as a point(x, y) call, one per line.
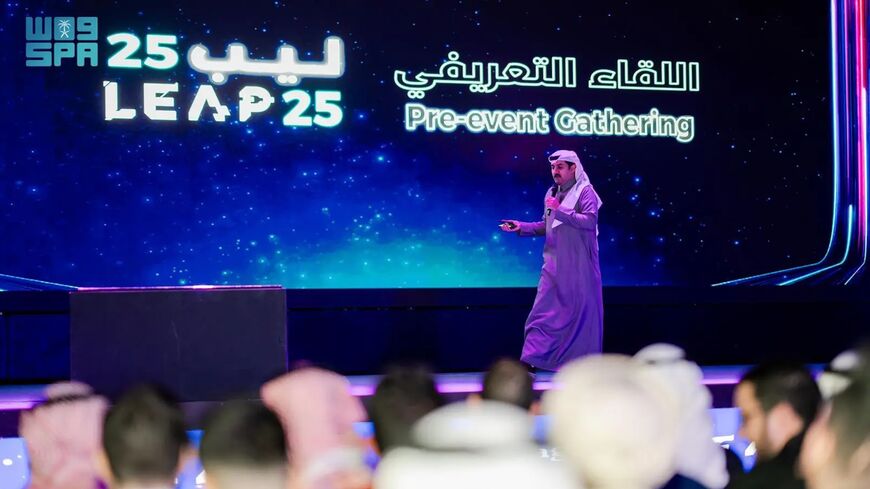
point(850, 420)
point(403, 396)
point(242, 434)
point(785, 382)
point(143, 436)
point(509, 381)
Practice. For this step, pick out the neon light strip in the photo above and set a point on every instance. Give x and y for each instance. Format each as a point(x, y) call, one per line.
point(176, 287)
point(861, 93)
point(860, 30)
point(836, 117)
point(845, 255)
point(862, 39)
point(835, 99)
point(16, 405)
point(865, 184)
point(34, 281)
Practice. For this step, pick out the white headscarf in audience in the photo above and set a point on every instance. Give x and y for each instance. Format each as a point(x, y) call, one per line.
point(836, 377)
point(63, 437)
point(318, 413)
point(699, 457)
point(472, 446)
point(615, 422)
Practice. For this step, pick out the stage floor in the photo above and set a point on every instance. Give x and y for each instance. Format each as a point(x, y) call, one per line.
point(720, 380)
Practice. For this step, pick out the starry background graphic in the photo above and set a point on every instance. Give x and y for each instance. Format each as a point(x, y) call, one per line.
point(367, 204)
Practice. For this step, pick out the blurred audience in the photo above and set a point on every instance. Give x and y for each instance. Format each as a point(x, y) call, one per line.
point(699, 458)
point(318, 413)
point(62, 436)
point(243, 447)
point(616, 423)
point(473, 446)
point(403, 396)
point(144, 440)
point(836, 451)
point(777, 403)
point(509, 381)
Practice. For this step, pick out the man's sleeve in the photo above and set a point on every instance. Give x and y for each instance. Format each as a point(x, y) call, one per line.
point(533, 228)
point(586, 214)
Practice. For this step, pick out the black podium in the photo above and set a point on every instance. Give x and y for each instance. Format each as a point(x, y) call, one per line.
point(203, 343)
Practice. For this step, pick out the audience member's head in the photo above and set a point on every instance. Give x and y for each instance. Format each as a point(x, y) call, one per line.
point(243, 447)
point(509, 381)
point(699, 457)
point(318, 413)
point(144, 438)
point(836, 451)
point(777, 402)
point(403, 396)
point(473, 446)
point(615, 422)
point(62, 436)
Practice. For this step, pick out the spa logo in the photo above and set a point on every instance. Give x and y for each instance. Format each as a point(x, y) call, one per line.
point(51, 40)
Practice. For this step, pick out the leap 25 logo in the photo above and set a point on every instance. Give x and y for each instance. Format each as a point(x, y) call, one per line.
point(50, 42)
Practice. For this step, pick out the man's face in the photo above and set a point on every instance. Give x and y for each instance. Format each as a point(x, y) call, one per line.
point(753, 424)
point(562, 171)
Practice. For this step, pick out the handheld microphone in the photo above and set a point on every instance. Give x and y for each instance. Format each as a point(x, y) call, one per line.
point(552, 194)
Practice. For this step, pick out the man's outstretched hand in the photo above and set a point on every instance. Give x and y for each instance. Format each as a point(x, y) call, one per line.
point(510, 226)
